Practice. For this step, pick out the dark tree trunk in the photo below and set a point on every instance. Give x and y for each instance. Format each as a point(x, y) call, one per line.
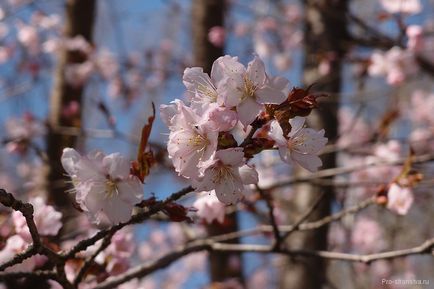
point(79, 18)
point(325, 37)
point(205, 15)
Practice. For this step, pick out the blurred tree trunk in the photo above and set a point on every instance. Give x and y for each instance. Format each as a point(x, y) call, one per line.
point(325, 38)
point(79, 18)
point(205, 15)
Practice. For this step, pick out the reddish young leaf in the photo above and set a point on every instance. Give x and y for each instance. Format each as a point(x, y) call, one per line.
point(145, 160)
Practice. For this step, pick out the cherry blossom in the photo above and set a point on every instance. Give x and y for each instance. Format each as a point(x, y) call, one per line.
point(396, 64)
point(227, 174)
point(367, 236)
point(302, 145)
point(210, 208)
point(47, 220)
point(191, 141)
point(399, 199)
point(103, 184)
point(402, 6)
point(217, 35)
point(247, 89)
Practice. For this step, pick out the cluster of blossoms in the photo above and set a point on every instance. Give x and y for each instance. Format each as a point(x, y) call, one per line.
point(18, 238)
point(230, 118)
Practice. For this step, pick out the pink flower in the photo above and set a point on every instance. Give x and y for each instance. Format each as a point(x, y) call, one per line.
point(103, 184)
point(220, 118)
point(191, 141)
point(217, 35)
point(201, 88)
point(47, 220)
point(227, 174)
point(14, 245)
point(402, 6)
point(399, 199)
point(247, 89)
point(396, 64)
point(302, 145)
point(415, 37)
point(367, 236)
point(210, 208)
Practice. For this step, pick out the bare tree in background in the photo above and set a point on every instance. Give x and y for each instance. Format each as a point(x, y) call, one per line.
point(205, 15)
point(325, 36)
point(80, 15)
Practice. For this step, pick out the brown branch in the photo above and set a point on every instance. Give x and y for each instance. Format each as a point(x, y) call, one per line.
point(138, 218)
point(346, 170)
point(267, 198)
point(209, 245)
point(83, 270)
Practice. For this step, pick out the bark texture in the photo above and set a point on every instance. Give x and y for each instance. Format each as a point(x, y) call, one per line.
point(205, 15)
point(79, 19)
point(325, 38)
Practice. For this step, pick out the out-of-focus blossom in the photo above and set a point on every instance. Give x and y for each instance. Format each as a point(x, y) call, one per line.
point(227, 174)
point(217, 35)
point(415, 37)
point(78, 74)
point(402, 6)
point(395, 64)
point(282, 61)
point(302, 145)
point(367, 236)
point(399, 199)
point(28, 36)
point(104, 187)
point(210, 208)
point(352, 128)
point(47, 220)
point(15, 245)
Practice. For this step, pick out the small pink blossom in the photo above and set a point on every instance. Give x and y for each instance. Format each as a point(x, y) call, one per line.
point(47, 220)
point(302, 145)
point(399, 199)
point(395, 64)
point(367, 236)
point(217, 35)
point(227, 174)
point(402, 6)
point(210, 208)
point(103, 184)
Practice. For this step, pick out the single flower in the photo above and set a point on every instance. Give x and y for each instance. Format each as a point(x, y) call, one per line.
point(104, 187)
point(302, 145)
point(227, 174)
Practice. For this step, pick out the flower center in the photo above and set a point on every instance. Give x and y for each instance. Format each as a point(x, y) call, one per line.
point(249, 88)
point(111, 188)
point(222, 172)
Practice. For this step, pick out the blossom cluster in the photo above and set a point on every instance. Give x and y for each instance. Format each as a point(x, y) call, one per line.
point(229, 118)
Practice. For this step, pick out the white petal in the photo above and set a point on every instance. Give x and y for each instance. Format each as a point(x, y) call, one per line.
point(256, 71)
point(231, 156)
point(297, 124)
point(70, 158)
point(117, 166)
point(229, 191)
point(268, 94)
point(130, 190)
point(248, 175)
point(276, 134)
point(307, 161)
point(313, 143)
point(248, 110)
point(117, 211)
